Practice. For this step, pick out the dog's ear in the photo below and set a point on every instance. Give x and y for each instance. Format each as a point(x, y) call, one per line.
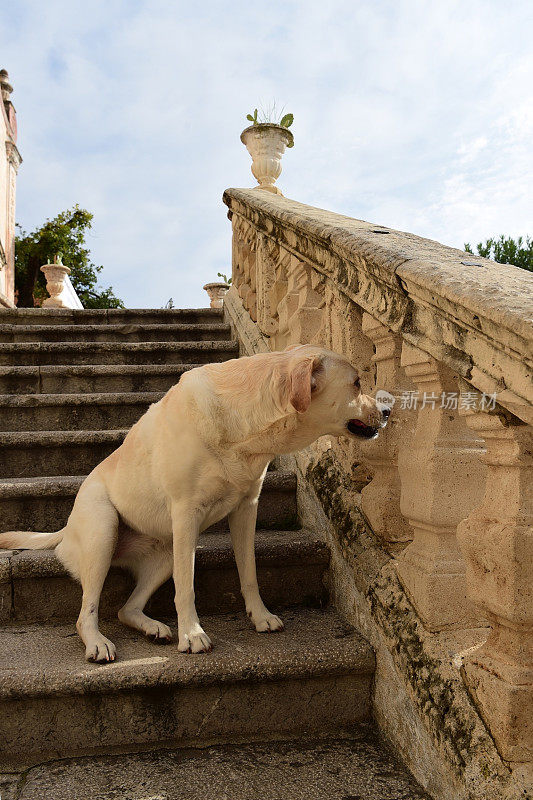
point(303, 382)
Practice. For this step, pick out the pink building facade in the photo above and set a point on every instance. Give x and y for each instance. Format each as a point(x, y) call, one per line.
point(9, 163)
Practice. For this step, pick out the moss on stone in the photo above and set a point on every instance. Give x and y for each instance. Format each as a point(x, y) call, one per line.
point(443, 702)
point(337, 493)
point(333, 490)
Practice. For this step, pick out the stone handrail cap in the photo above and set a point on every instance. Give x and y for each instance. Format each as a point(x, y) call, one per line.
point(502, 293)
point(469, 312)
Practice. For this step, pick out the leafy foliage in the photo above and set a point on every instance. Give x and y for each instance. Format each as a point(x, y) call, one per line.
point(287, 120)
point(506, 250)
point(64, 234)
point(271, 116)
point(224, 278)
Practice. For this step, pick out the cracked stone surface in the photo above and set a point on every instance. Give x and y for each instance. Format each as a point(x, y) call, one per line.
point(315, 676)
point(163, 331)
point(37, 353)
point(9, 786)
point(360, 768)
point(42, 660)
point(67, 316)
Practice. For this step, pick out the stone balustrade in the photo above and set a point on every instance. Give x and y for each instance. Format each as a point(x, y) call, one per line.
point(447, 489)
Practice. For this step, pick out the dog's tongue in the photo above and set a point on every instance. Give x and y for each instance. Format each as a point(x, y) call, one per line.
point(357, 422)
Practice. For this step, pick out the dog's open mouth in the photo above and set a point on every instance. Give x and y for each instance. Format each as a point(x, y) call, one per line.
point(359, 428)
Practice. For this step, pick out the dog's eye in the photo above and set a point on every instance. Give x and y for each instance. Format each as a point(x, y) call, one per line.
point(357, 383)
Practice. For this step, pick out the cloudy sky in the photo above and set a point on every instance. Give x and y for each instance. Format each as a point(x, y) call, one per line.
point(410, 113)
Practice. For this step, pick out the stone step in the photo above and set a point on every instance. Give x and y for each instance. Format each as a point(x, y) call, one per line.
point(313, 678)
point(73, 412)
point(35, 587)
point(351, 768)
point(91, 378)
point(162, 332)
point(37, 353)
point(44, 503)
point(111, 316)
point(25, 454)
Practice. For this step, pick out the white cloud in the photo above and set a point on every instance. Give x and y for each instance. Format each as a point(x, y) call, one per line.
point(469, 150)
point(410, 114)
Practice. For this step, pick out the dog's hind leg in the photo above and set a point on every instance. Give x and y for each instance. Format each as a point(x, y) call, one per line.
point(151, 571)
point(86, 550)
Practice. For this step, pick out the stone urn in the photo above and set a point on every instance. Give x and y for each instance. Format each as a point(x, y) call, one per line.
point(216, 292)
point(55, 275)
point(266, 144)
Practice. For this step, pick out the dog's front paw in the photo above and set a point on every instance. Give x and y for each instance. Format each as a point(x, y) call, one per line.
point(194, 640)
point(264, 621)
point(100, 650)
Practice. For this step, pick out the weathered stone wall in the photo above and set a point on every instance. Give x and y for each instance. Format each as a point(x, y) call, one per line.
point(412, 535)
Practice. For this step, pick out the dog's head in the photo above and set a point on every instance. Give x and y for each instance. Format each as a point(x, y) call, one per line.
point(325, 390)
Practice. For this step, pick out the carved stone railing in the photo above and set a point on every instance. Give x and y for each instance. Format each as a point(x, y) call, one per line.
point(450, 335)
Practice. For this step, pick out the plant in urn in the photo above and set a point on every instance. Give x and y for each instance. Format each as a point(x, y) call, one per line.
point(266, 142)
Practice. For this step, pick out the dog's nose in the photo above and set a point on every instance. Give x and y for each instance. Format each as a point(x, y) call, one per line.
point(385, 413)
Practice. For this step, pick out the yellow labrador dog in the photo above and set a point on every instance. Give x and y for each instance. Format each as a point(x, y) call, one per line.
point(197, 455)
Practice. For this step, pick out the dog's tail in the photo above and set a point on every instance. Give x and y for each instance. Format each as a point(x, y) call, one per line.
point(30, 540)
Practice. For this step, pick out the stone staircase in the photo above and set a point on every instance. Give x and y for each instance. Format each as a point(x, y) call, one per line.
point(71, 384)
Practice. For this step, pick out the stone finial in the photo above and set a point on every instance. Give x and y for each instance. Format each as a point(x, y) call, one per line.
point(266, 144)
point(216, 292)
point(55, 277)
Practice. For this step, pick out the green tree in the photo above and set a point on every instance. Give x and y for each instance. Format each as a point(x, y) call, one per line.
point(64, 234)
point(507, 251)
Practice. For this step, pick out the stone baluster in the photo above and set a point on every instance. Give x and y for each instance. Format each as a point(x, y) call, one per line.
point(276, 297)
point(308, 319)
point(287, 306)
point(442, 480)
point(237, 270)
point(497, 542)
point(244, 264)
point(342, 332)
point(380, 499)
point(267, 256)
point(300, 310)
point(251, 298)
